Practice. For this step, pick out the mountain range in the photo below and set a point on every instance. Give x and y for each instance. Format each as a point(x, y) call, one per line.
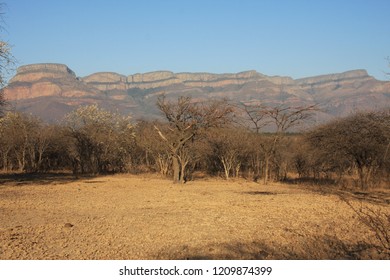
point(49, 91)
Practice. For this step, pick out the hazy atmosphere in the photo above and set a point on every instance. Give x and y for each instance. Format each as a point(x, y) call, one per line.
point(288, 38)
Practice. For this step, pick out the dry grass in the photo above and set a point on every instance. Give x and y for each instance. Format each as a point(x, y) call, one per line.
point(145, 217)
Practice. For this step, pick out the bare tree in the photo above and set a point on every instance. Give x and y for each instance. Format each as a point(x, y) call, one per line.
point(155, 153)
point(2, 102)
point(376, 220)
point(229, 147)
point(287, 117)
point(278, 120)
point(283, 118)
point(20, 141)
point(254, 116)
point(186, 120)
point(7, 61)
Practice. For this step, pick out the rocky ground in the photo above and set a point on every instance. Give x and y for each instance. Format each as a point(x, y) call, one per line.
point(144, 217)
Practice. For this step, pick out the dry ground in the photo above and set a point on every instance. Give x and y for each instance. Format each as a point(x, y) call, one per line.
point(145, 217)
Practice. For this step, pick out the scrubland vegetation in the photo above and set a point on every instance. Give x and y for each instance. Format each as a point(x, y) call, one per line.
point(244, 186)
point(214, 139)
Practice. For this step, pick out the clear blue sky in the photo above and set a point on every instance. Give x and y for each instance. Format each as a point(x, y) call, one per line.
point(291, 38)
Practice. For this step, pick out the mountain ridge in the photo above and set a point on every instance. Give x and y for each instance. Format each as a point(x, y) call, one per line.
point(60, 87)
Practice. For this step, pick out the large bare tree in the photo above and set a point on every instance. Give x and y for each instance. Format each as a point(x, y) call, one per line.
point(186, 120)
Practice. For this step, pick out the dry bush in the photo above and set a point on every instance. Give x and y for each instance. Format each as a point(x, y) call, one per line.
point(356, 146)
point(228, 150)
point(377, 221)
point(101, 141)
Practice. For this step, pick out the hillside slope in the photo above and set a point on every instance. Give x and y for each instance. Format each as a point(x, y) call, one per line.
point(51, 90)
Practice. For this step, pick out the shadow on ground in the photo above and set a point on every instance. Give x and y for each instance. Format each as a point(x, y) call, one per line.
point(314, 248)
point(22, 179)
point(260, 193)
point(329, 187)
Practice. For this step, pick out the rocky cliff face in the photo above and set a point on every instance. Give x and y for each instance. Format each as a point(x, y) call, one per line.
point(58, 87)
point(35, 72)
point(38, 80)
point(353, 75)
point(111, 81)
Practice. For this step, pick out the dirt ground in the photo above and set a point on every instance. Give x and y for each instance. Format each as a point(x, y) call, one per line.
point(146, 217)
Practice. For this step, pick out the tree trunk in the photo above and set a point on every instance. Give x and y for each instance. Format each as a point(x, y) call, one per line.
point(176, 170)
point(147, 158)
point(182, 172)
point(226, 167)
point(5, 161)
point(266, 170)
point(365, 176)
point(39, 163)
point(237, 170)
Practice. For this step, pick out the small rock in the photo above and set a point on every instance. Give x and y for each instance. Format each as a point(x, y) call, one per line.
point(68, 225)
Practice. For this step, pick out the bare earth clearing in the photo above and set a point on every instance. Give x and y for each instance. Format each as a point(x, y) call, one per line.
point(140, 217)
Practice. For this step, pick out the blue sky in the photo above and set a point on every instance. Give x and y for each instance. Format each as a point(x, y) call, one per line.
point(290, 38)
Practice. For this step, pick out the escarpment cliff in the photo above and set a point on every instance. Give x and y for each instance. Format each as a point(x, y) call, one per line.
point(35, 72)
point(46, 79)
point(110, 81)
point(354, 75)
point(51, 90)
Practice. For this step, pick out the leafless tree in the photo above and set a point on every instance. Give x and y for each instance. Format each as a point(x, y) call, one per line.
point(7, 61)
point(283, 118)
point(278, 120)
point(287, 117)
point(252, 116)
point(156, 155)
point(2, 102)
point(22, 142)
point(376, 220)
point(186, 120)
point(229, 147)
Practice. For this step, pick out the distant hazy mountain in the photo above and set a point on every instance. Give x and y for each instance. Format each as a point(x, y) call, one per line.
point(51, 90)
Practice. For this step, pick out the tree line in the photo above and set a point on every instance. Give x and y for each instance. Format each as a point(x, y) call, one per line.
point(213, 138)
point(210, 138)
